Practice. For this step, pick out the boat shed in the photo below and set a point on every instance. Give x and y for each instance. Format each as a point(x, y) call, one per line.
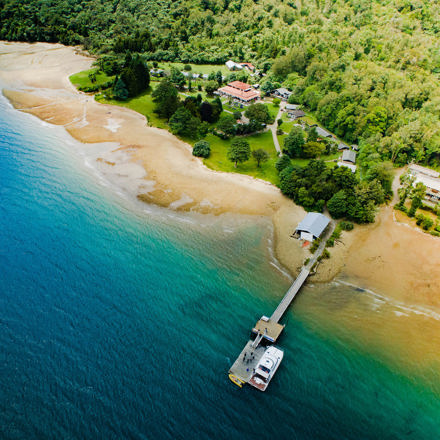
point(312, 226)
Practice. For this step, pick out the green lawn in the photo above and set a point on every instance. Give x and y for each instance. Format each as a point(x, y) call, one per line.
point(142, 104)
point(81, 79)
point(196, 68)
point(218, 160)
point(273, 109)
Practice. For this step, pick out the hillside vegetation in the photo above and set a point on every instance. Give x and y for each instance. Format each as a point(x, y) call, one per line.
point(369, 69)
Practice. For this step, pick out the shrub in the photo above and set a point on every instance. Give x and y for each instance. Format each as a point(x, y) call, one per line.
point(201, 149)
point(427, 223)
point(282, 163)
point(402, 208)
point(346, 226)
point(336, 234)
point(435, 233)
point(276, 101)
point(237, 114)
point(419, 219)
point(315, 245)
point(330, 242)
point(326, 254)
point(186, 67)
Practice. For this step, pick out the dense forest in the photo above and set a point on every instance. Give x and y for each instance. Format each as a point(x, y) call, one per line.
point(369, 69)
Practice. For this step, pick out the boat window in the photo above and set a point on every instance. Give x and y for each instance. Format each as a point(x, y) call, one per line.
point(262, 367)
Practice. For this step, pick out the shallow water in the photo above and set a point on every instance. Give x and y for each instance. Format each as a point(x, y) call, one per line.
point(118, 320)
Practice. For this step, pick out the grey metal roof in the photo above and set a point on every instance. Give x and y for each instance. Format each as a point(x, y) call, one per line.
point(349, 156)
point(292, 106)
point(342, 146)
point(314, 222)
point(283, 91)
point(323, 133)
point(297, 113)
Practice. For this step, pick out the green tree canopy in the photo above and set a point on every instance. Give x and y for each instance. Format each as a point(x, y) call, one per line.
point(184, 123)
point(177, 78)
point(294, 142)
point(239, 151)
point(120, 90)
point(201, 149)
point(282, 162)
point(166, 99)
point(313, 149)
point(258, 113)
point(135, 76)
point(226, 124)
point(337, 205)
point(260, 156)
point(211, 87)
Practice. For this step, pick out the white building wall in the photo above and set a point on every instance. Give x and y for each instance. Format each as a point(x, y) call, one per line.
point(306, 236)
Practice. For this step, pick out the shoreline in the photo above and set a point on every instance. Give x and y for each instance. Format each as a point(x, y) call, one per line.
point(149, 162)
point(158, 168)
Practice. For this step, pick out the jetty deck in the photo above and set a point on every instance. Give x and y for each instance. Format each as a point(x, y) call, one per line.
point(247, 360)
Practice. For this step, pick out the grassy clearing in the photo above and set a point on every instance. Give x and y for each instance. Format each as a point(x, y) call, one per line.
point(273, 109)
point(218, 160)
point(81, 79)
point(142, 104)
point(196, 68)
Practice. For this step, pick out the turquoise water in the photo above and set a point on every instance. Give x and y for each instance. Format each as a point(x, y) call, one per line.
point(120, 323)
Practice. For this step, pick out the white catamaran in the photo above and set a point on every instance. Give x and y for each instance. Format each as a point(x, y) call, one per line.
point(266, 368)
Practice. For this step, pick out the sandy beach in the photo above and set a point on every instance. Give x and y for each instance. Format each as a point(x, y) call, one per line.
point(388, 256)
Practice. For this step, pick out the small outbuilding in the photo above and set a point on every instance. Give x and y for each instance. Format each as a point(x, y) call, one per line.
point(290, 107)
point(348, 165)
point(342, 146)
point(349, 156)
point(296, 114)
point(282, 93)
point(231, 65)
point(355, 147)
point(312, 226)
point(323, 133)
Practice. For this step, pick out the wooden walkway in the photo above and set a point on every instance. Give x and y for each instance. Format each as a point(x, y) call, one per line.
point(290, 295)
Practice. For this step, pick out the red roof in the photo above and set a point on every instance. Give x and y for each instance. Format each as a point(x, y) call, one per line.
point(239, 85)
point(248, 65)
point(247, 94)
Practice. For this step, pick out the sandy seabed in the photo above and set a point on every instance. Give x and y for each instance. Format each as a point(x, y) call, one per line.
point(158, 168)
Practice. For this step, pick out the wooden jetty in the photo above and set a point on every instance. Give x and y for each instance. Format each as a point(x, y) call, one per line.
point(268, 330)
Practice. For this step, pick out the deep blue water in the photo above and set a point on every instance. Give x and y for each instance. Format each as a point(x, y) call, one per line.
point(115, 323)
